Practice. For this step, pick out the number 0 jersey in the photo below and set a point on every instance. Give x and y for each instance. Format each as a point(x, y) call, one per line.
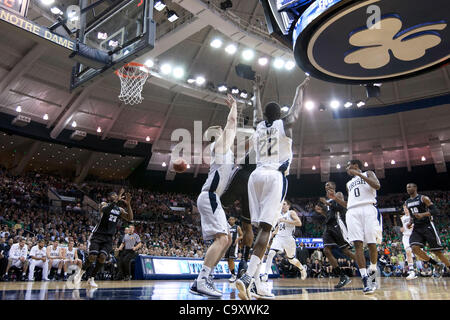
point(108, 222)
point(360, 192)
point(273, 147)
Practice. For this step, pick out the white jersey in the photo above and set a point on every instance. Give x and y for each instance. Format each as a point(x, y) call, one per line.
point(70, 254)
point(16, 252)
point(38, 253)
point(220, 170)
point(405, 221)
point(286, 229)
point(360, 192)
point(273, 147)
point(55, 252)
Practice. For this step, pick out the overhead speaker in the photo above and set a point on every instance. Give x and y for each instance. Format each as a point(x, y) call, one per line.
point(245, 71)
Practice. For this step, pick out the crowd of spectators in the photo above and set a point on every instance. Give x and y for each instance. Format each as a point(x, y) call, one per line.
point(169, 224)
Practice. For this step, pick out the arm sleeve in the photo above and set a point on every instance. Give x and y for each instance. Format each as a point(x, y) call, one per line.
point(433, 210)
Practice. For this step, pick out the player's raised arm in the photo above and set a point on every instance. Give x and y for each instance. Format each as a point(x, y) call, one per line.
point(128, 214)
point(338, 197)
point(226, 140)
point(297, 106)
point(432, 210)
point(296, 220)
point(258, 115)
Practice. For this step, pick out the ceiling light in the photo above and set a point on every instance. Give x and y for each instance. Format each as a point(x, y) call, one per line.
point(200, 80)
point(234, 90)
point(222, 88)
point(159, 5)
point(263, 61)
point(392, 161)
point(74, 124)
point(423, 158)
point(113, 43)
point(231, 49)
point(19, 109)
point(285, 109)
point(377, 84)
point(216, 43)
point(47, 2)
point(309, 105)
point(366, 164)
point(338, 166)
point(178, 72)
point(289, 65)
point(164, 164)
point(307, 74)
point(335, 104)
point(102, 36)
point(56, 10)
point(172, 16)
point(248, 54)
point(166, 68)
point(278, 63)
point(244, 94)
point(99, 129)
point(190, 80)
point(45, 117)
point(149, 63)
point(348, 104)
point(314, 167)
point(360, 104)
point(188, 166)
point(147, 139)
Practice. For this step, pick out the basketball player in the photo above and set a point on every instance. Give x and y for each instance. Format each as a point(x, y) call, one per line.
point(406, 218)
point(55, 256)
point(335, 231)
point(267, 185)
point(231, 254)
point(364, 221)
point(38, 258)
point(422, 210)
point(284, 240)
point(71, 258)
point(213, 220)
point(18, 258)
point(101, 238)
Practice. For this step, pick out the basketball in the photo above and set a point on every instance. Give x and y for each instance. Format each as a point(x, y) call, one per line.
point(180, 165)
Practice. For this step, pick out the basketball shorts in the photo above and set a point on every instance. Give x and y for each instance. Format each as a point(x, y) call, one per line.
point(212, 215)
point(100, 243)
point(16, 263)
point(422, 235)
point(266, 191)
point(232, 252)
point(238, 190)
point(286, 244)
point(55, 263)
point(333, 236)
point(405, 240)
point(364, 223)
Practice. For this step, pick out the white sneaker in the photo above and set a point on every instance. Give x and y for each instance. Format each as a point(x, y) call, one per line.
point(78, 275)
point(264, 277)
point(411, 275)
point(207, 288)
point(262, 290)
point(92, 283)
point(233, 278)
point(303, 272)
point(373, 279)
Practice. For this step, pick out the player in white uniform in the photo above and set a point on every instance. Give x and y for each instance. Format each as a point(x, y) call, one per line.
point(71, 261)
point(55, 255)
point(267, 185)
point(18, 258)
point(364, 222)
point(213, 219)
point(405, 239)
point(38, 258)
point(284, 240)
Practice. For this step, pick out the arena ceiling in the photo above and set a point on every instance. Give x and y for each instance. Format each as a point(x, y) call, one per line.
point(37, 78)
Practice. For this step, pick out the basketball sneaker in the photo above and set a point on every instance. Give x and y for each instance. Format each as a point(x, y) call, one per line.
point(411, 275)
point(233, 278)
point(303, 272)
point(373, 279)
point(92, 283)
point(243, 284)
point(193, 288)
point(343, 281)
point(242, 268)
point(262, 290)
point(438, 270)
point(368, 288)
point(78, 275)
point(206, 287)
point(264, 277)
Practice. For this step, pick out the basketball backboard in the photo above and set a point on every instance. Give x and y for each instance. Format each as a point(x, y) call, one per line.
point(123, 32)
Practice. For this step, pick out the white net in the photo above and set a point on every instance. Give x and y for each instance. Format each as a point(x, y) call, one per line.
point(132, 79)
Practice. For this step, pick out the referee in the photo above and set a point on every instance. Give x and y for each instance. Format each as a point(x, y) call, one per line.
point(132, 243)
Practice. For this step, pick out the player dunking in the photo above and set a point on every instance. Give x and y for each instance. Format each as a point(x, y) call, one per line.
point(422, 210)
point(335, 232)
point(101, 238)
point(267, 185)
point(364, 222)
point(213, 220)
point(284, 240)
point(406, 218)
point(232, 252)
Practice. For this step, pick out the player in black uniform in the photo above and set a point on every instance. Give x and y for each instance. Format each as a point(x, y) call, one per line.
point(101, 239)
point(333, 233)
point(231, 254)
point(421, 210)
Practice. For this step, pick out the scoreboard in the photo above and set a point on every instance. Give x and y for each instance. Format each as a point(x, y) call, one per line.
point(17, 6)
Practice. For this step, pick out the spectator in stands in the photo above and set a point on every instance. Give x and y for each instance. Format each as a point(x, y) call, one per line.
point(4, 250)
point(387, 272)
point(316, 269)
point(302, 253)
point(317, 255)
point(426, 270)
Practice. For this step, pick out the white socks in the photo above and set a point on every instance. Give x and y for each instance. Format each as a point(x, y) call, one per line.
point(363, 272)
point(269, 260)
point(253, 265)
point(373, 267)
point(204, 273)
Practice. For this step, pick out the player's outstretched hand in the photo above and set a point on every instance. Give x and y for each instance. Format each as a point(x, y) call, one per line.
point(231, 102)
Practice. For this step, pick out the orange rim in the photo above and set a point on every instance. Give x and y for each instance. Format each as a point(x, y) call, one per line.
point(132, 64)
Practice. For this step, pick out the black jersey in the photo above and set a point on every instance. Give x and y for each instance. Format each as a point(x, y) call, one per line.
point(234, 233)
point(108, 222)
point(333, 209)
point(416, 205)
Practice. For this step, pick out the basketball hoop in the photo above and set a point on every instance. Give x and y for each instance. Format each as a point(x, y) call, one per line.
point(132, 79)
